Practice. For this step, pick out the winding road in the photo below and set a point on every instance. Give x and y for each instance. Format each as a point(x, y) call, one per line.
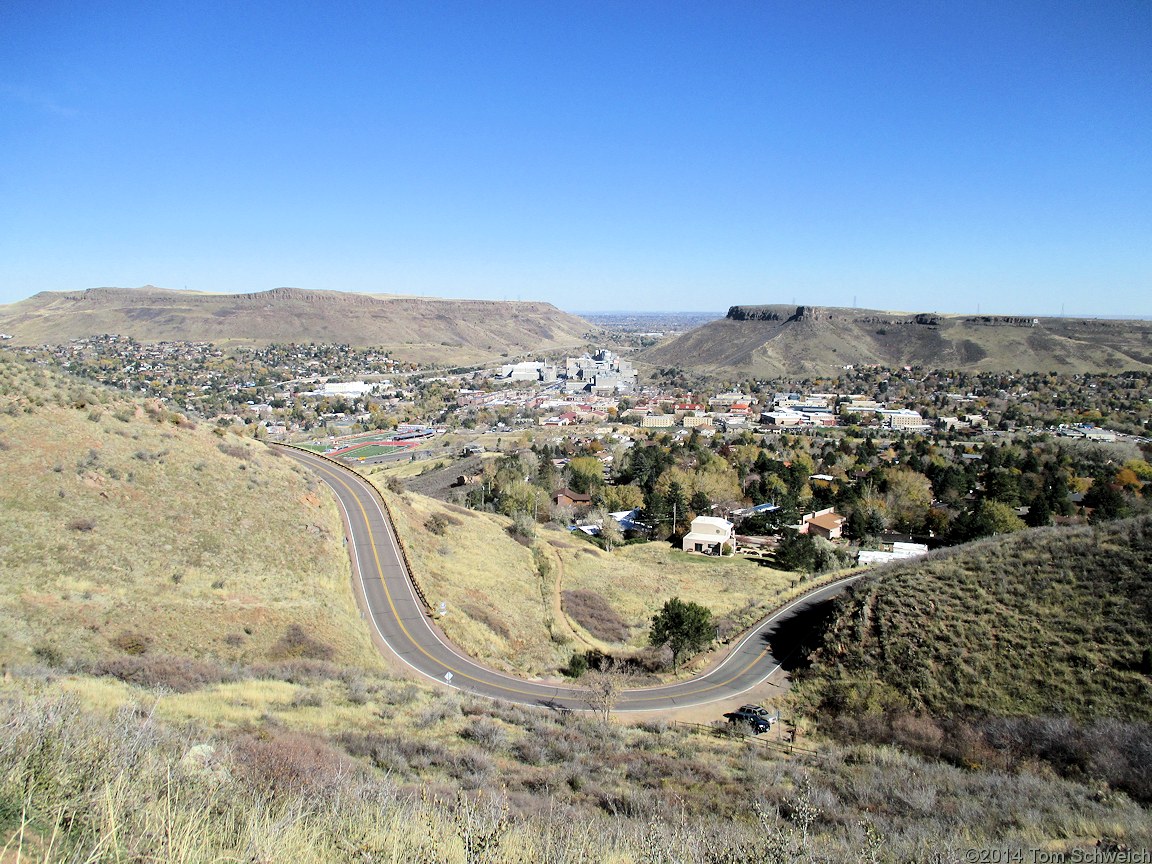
point(402, 625)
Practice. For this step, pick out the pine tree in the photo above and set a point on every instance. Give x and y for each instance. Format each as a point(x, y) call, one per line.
point(682, 626)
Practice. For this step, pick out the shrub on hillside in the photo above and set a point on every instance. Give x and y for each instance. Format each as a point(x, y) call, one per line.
point(283, 764)
point(297, 643)
point(181, 674)
point(523, 528)
point(299, 671)
point(594, 613)
point(436, 713)
point(439, 523)
point(236, 451)
point(642, 663)
point(131, 642)
point(1111, 751)
point(1114, 751)
point(488, 618)
point(487, 733)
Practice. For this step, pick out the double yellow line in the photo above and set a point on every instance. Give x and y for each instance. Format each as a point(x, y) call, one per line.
point(325, 468)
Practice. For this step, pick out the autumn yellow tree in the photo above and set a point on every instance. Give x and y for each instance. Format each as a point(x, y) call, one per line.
point(908, 495)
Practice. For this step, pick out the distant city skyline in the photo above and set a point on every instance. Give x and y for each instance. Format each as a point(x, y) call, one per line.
point(666, 157)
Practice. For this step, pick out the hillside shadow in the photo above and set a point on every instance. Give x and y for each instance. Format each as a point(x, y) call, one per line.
point(796, 635)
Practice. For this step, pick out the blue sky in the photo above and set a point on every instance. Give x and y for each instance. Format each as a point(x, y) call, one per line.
point(921, 155)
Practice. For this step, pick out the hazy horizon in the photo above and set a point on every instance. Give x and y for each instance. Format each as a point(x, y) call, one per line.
point(718, 313)
point(907, 155)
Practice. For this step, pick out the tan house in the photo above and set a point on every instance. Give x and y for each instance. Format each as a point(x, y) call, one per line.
point(708, 536)
point(823, 523)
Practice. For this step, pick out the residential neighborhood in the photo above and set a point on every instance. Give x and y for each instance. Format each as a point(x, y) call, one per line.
point(864, 465)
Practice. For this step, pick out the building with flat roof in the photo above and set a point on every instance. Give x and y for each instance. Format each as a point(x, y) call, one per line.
point(901, 418)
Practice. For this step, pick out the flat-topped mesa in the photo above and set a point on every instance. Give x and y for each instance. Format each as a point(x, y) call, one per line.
point(96, 296)
point(791, 314)
point(780, 312)
point(422, 329)
point(759, 313)
point(1002, 321)
point(808, 313)
point(305, 295)
point(788, 313)
point(779, 340)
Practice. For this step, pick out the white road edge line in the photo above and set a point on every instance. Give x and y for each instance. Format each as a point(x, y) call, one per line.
point(574, 693)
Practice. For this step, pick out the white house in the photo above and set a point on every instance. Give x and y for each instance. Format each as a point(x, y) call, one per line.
point(899, 552)
point(708, 535)
point(628, 520)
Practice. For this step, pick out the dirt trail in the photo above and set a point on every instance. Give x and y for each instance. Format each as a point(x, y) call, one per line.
point(558, 615)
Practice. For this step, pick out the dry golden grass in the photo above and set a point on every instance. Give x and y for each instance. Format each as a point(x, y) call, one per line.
point(118, 522)
point(499, 608)
point(437, 777)
point(404, 469)
point(503, 611)
point(637, 580)
point(320, 706)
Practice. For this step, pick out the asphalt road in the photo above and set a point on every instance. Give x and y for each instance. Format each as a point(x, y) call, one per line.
point(402, 624)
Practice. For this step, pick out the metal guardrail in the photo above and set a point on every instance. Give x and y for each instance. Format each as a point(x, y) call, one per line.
point(387, 513)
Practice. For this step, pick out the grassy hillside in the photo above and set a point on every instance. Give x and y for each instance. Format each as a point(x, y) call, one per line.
point(513, 786)
point(498, 605)
point(158, 705)
point(637, 580)
point(129, 532)
point(1054, 621)
point(526, 608)
point(771, 341)
point(426, 330)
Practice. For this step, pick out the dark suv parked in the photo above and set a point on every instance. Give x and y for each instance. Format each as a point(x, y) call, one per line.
point(758, 711)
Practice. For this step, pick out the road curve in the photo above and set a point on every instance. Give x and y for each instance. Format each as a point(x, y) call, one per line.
point(401, 621)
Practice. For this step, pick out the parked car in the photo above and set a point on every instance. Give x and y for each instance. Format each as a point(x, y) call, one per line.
point(750, 719)
point(758, 711)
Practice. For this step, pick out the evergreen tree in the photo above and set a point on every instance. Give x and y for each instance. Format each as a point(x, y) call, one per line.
point(700, 504)
point(1039, 513)
point(682, 626)
point(796, 552)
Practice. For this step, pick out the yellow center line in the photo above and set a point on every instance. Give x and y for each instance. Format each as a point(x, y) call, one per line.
point(392, 605)
point(561, 691)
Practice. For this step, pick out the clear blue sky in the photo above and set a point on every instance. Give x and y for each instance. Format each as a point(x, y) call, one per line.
point(664, 155)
